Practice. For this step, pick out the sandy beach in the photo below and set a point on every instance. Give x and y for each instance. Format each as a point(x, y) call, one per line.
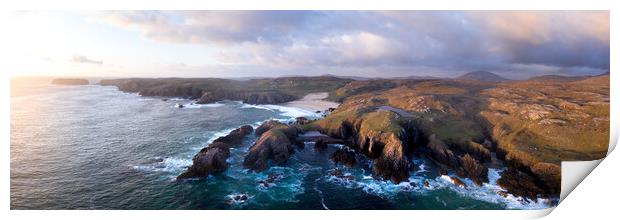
point(313, 102)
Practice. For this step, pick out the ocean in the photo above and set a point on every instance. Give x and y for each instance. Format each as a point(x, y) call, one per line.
point(94, 147)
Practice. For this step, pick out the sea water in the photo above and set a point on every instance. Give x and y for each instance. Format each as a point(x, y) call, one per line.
point(94, 147)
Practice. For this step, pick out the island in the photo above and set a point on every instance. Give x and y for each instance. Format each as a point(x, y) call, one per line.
point(70, 81)
point(464, 125)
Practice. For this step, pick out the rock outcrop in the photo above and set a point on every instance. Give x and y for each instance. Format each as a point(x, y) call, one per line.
point(472, 169)
point(519, 183)
point(273, 147)
point(320, 144)
point(550, 177)
point(212, 159)
point(379, 136)
point(266, 126)
point(344, 156)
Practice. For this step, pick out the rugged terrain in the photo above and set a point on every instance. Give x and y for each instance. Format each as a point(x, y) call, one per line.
point(463, 125)
point(209, 90)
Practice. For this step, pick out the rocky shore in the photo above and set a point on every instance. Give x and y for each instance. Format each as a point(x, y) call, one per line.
point(464, 127)
point(210, 90)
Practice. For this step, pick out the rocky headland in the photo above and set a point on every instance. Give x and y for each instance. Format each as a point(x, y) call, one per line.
point(210, 90)
point(463, 126)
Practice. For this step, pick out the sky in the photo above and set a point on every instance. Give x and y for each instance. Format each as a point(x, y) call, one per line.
point(230, 44)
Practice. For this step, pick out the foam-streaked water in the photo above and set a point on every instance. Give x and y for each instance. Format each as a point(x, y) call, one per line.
point(93, 147)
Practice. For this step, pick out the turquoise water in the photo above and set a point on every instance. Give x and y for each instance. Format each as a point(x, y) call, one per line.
point(93, 147)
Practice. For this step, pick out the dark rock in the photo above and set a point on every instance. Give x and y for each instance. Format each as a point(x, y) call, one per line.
point(440, 152)
point(344, 156)
point(208, 97)
point(320, 144)
point(472, 169)
point(443, 172)
point(426, 184)
point(520, 184)
point(273, 146)
point(262, 97)
point(302, 120)
point(266, 126)
point(237, 199)
point(550, 175)
point(477, 151)
point(212, 159)
point(236, 136)
point(271, 179)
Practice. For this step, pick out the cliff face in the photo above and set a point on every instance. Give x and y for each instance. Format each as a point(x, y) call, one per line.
point(258, 97)
point(463, 126)
point(460, 125)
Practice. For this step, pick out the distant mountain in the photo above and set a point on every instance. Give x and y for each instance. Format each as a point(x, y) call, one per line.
point(604, 74)
point(483, 76)
point(416, 77)
point(350, 77)
point(562, 78)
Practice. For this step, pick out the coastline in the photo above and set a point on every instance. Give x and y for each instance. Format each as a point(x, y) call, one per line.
point(313, 102)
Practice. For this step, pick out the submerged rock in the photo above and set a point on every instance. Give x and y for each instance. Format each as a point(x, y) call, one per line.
point(338, 174)
point(212, 159)
point(237, 198)
point(270, 181)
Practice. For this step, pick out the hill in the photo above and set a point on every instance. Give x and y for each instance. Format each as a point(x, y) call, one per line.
point(483, 76)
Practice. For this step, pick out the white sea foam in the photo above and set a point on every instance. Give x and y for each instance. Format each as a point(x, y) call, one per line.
point(238, 198)
point(192, 105)
point(290, 112)
point(168, 165)
point(415, 184)
point(488, 192)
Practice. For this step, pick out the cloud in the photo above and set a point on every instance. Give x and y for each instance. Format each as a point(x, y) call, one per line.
point(508, 41)
point(85, 60)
